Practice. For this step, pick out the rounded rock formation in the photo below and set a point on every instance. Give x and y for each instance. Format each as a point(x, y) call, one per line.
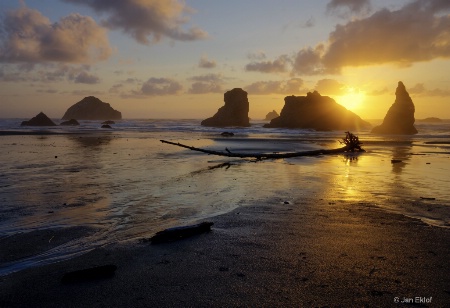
point(92, 108)
point(317, 112)
point(233, 113)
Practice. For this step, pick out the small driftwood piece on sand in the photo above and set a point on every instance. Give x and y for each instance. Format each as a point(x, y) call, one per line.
point(351, 144)
point(89, 274)
point(176, 233)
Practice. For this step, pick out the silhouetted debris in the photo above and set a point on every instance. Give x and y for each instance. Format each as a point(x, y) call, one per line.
point(396, 161)
point(177, 233)
point(426, 198)
point(106, 126)
point(351, 142)
point(89, 274)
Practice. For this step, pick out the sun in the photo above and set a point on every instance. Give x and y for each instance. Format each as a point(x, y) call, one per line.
point(352, 99)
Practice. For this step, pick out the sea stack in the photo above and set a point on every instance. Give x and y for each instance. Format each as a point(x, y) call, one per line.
point(272, 115)
point(40, 120)
point(233, 113)
point(317, 112)
point(399, 119)
point(92, 108)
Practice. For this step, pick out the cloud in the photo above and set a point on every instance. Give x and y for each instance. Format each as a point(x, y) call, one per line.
point(308, 61)
point(86, 78)
point(415, 33)
point(330, 87)
point(29, 37)
point(309, 23)
point(353, 6)
point(257, 55)
point(279, 65)
point(147, 20)
point(49, 73)
point(290, 87)
point(383, 91)
point(205, 63)
point(159, 86)
point(420, 90)
point(211, 83)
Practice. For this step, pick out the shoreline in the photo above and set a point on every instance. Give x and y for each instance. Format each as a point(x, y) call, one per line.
point(307, 252)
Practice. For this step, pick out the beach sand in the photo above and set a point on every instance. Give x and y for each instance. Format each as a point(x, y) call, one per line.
point(307, 252)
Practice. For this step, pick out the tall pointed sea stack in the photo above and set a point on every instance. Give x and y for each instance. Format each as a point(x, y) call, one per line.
point(233, 113)
point(400, 117)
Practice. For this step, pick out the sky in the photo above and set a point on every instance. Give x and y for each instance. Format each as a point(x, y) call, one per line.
point(175, 59)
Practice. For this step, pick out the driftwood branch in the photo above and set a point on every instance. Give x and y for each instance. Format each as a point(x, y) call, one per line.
point(351, 144)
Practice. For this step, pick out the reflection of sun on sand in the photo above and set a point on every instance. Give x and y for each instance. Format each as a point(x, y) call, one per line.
point(352, 100)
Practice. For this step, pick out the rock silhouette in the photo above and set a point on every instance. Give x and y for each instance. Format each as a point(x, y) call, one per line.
point(71, 122)
point(317, 112)
point(39, 120)
point(400, 116)
point(233, 113)
point(92, 108)
point(272, 115)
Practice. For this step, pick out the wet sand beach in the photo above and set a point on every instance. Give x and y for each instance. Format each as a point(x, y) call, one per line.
point(336, 230)
point(310, 252)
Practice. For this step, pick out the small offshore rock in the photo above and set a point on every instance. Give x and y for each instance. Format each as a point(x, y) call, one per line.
point(71, 122)
point(40, 119)
point(106, 126)
point(227, 134)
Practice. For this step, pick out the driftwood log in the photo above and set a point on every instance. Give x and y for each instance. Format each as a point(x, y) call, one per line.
point(177, 233)
point(351, 144)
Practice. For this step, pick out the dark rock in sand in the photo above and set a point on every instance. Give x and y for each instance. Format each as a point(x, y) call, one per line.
point(227, 134)
point(106, 126)
point(400, 117)
point(272, 115)
point(318, 112)
point(109, 122)
point(177, 233)
point(92, 108)
point(71, 122)
point(40, 120)
point(233, 113)
point(89, 274)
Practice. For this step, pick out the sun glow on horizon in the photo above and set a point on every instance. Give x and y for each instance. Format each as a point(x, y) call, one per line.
point(352, 100)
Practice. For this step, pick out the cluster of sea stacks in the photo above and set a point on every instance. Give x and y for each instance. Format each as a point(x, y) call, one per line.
point(317, 112)
point(89, 108)
point(312, 111)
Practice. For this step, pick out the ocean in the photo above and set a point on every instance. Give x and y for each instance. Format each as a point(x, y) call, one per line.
point(126, 185)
